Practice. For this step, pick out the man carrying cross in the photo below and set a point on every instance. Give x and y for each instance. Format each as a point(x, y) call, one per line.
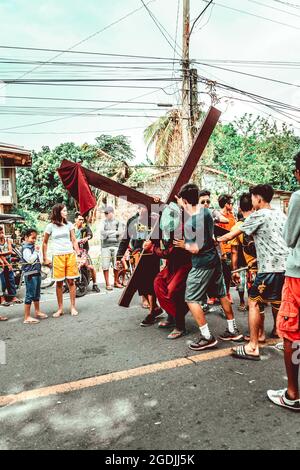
point(77, 180)
point(137, 231)
point(206, 276)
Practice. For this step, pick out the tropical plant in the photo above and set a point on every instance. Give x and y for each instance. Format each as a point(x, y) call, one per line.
point(165, 135)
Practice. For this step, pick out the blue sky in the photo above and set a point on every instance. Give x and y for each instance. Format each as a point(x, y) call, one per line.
point(220, 34)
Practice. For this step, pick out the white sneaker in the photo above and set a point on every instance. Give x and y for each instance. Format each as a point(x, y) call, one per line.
point(279, 397)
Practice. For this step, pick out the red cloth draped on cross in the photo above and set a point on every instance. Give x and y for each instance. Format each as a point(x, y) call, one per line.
point(74, 180)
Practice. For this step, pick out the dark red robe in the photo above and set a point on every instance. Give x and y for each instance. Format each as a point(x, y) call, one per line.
point(170, 283)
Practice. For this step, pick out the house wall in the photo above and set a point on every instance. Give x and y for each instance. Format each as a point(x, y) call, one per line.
point(6, 172)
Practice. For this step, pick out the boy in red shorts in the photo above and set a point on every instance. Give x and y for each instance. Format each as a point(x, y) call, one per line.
point(288, 321)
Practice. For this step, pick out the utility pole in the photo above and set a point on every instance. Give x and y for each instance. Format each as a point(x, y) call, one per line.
point(186, 115)
point(194, 105)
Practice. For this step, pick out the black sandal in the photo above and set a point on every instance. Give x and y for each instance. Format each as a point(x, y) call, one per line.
point(240, 353)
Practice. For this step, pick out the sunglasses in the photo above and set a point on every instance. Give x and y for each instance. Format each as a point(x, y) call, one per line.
point(207, 201)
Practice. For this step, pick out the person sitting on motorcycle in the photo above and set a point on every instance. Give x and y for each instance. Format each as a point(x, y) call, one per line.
point(83, 234)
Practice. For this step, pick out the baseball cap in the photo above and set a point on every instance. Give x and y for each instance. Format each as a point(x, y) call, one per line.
point(108, 210)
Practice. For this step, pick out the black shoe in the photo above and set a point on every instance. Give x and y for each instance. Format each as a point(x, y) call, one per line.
point(149, 320)
point(158, 311)
point(203, 343)
point(96, 288)
point(228, 336)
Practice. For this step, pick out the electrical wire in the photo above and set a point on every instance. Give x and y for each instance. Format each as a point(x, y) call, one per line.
point(77, 99)
point(75, 115)
point(254, 15)
point(199, 16)
point(85, 39)
point(291, 5)
point(160, 27)
point(250, 75)
point(274, 8)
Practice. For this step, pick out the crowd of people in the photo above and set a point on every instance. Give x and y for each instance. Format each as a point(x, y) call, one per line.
point(199, 254)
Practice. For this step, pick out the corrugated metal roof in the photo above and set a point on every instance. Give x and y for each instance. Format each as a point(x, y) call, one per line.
point(9, 148)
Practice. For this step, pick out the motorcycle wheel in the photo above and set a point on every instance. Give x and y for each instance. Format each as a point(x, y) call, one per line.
point(81, 285)
point(46, 278)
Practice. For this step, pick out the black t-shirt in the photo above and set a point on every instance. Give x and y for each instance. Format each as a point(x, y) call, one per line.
point(200, 229)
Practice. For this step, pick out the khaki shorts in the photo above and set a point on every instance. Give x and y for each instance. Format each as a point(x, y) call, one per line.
point(109, 257)
point(201, 282)
point(64, 267)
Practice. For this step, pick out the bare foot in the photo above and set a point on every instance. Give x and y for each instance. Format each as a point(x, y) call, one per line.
point(3, 318)
point(40, 315)
point(57, 314)
point(74, 312)
point(30, 320)
point(261, 339)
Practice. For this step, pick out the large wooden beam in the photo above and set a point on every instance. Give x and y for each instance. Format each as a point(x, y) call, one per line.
point(184, 176)
point(117, 189)
point(112, 187)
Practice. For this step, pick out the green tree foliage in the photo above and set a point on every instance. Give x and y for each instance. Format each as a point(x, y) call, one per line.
point(39, 187)
point(257, 150)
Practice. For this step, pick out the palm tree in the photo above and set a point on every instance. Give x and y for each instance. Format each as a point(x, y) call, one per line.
point(165, 134)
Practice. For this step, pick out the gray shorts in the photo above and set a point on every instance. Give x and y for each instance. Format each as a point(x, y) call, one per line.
point(202, 282)
point(109, 257)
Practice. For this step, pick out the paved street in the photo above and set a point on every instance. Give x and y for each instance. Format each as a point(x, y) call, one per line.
point(180, 400)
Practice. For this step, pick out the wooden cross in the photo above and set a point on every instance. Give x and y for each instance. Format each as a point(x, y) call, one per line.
point(134, 196)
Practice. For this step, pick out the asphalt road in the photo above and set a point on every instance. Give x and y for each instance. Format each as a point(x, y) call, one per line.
point(207, 402)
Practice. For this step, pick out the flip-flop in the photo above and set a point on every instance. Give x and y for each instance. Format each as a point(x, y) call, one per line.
point(165, 324)
point(18, 301)
point(41, 316)
point(32, 321)
point(242, 308)
point(5, 304)
point(240, 353)
point(176, 334)
point(56, 315)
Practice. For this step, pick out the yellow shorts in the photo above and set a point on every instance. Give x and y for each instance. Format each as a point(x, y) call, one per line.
point(64, 267)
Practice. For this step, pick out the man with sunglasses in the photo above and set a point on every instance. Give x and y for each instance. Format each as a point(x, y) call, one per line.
point(204, 200)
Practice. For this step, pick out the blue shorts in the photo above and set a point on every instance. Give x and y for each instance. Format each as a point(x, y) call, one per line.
point(33, 288)
point(267, 288)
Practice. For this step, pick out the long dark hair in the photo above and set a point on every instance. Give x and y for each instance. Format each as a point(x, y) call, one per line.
point(56, 217)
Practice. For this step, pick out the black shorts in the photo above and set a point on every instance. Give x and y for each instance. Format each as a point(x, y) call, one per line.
point(267, 288)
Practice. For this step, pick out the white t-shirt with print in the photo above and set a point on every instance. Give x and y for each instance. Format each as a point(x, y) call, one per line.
point(266, 226)
point(61, 242)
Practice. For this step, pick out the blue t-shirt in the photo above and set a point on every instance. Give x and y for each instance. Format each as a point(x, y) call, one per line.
point(200, 229)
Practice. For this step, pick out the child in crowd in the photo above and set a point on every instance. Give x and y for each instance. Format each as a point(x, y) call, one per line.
point(32, 275)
